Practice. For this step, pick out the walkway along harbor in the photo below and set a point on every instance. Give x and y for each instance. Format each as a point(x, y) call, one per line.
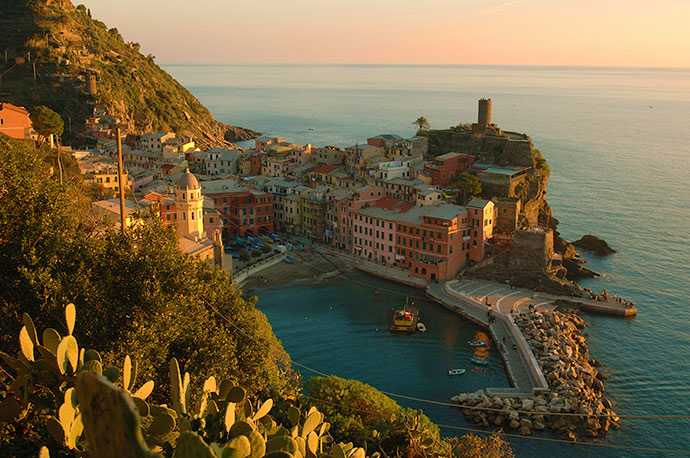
point(554, 382)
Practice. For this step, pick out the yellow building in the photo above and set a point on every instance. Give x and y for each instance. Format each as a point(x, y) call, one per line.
point(189, 205)
point(107, 178)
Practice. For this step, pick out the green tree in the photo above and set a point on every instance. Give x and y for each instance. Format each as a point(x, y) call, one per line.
point(468, 185)
point(361, 414)
point(137, 291)
point(422, 124)
point(355, 410)
point(46, 122)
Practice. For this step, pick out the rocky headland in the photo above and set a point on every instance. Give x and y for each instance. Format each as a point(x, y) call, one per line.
point(575, 404)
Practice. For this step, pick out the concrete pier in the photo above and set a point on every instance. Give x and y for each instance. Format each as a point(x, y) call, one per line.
point(521, 366)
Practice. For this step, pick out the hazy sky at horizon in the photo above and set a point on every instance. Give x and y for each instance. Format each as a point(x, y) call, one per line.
point(642, 33)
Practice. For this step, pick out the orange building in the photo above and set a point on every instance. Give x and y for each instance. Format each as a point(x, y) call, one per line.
point(15, 121)
point(430, 241)
point(482, 217)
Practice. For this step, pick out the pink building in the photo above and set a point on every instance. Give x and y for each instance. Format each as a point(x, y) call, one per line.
point(445, 167)
point(374, 229)
point(343, 213)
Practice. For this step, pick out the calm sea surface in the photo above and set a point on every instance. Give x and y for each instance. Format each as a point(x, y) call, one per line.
point(618, 142)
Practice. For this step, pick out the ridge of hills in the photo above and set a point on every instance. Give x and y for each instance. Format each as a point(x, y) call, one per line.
point(49, 47)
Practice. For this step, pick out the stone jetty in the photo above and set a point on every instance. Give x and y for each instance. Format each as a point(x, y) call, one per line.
point(575, 384)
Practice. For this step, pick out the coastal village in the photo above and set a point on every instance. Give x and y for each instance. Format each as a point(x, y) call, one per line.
point(385, 206)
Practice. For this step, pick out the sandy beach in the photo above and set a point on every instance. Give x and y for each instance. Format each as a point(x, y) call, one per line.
point(307, 266)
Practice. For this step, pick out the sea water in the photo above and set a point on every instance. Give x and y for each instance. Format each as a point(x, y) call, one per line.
point(618, 144)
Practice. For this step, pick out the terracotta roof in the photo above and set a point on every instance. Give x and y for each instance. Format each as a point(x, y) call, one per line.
point(9, 106)
point(326, 169)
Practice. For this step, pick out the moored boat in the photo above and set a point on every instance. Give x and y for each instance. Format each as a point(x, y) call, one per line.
point(478, 344)
point(421, 327)
point(456, 371)
point(404, 319)
point(480, 361)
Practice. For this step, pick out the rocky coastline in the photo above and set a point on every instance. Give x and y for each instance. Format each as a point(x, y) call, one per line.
point(576, 386)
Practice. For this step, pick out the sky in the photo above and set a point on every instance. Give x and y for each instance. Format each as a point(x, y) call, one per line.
point(631, 33)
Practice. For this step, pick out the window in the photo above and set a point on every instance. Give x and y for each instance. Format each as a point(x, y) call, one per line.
point(450, 249)
point(438, 248)
point(390, 237)
point(474, 243)
point(398, 239)
point(168, 217)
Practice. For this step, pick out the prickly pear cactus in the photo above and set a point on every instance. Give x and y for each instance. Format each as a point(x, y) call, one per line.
point(111, 421)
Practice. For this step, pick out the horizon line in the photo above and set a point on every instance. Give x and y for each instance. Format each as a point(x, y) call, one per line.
point(402, 64)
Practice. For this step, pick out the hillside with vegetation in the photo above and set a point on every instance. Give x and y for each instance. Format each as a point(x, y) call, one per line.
point(49, 46)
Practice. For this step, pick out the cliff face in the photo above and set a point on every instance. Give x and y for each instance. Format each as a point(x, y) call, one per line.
point(53, 45)
point(501, 148)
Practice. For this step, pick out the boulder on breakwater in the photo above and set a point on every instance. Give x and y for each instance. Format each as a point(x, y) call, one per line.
point(575, 404)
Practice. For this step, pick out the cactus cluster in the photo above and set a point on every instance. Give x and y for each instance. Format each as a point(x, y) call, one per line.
point(92, 414)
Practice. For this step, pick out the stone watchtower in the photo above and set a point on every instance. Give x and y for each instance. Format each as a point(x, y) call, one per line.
point(91, 84)
point(190, 206)
point(484, 118)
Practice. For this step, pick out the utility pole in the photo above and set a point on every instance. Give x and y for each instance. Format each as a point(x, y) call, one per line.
point(120, 185)
point(59, 159)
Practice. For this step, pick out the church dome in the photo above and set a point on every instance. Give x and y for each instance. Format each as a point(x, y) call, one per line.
point(188, 181)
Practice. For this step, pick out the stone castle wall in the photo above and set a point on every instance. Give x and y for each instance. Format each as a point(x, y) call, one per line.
point(531, 251)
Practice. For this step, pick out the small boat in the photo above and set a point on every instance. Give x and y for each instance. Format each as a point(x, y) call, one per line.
point(480, 361)
point(312, 128)
point(478, 344)
point(456, 371)
point(405, 319)
point(421, 327)
point(288, 260)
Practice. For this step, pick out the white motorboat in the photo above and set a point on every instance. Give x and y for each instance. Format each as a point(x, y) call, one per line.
point(421, 327)
point(478, 344)
point(456, 371)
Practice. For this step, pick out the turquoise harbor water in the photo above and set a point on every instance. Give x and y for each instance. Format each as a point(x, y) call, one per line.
point(618, 144)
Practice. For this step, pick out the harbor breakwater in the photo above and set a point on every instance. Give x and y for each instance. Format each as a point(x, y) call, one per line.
point(574, 405)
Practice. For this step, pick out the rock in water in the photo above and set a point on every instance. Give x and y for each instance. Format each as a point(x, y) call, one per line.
point(594, 244)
